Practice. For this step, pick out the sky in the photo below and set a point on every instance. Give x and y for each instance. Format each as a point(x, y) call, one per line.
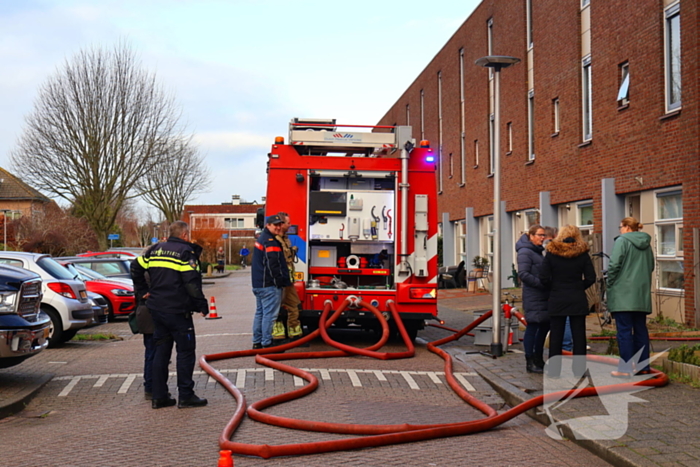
point(239, 70)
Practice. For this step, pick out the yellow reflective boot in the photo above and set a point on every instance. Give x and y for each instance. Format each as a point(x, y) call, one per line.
point(278, 330)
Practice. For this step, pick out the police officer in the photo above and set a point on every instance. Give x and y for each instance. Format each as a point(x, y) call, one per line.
point(290, 297)
point(270, 276)
point(175, 291)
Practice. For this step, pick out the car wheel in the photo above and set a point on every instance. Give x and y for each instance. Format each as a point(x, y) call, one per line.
point(56, 334)
point(69, 334)
point(110, 312)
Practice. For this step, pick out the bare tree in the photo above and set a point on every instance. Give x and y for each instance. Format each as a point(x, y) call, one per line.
point(177, 181)
point(99, 125)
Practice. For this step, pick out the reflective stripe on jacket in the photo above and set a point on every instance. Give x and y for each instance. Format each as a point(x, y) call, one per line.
point(269, 265)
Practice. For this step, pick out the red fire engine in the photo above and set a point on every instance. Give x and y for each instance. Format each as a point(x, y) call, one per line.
point(362, 202)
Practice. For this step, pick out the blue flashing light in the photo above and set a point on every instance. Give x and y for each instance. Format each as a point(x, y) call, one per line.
point(430, 158)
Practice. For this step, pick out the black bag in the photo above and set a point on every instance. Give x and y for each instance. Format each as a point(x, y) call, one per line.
point(133, 323)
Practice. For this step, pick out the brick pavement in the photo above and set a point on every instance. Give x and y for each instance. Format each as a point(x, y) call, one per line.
point(101, 419)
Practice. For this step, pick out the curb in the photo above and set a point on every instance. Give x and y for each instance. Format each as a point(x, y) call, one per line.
point(514, 396)
point(18, 402)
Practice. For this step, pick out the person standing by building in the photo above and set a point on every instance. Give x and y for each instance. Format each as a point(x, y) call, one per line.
point(290, 297)
point(220, 259)
point(244, 255)
point(568, 271)
point(269, 276)
point(535, 295)
point(173, 294)
point(629, 296)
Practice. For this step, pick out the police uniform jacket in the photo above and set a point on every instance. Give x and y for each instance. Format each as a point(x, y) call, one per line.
point(269, 264)
point(175, 278)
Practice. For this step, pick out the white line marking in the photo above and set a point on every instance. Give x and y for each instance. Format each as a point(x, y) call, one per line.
point(465, 383)
point(325, 375)
point(354, 378)
point(409, 379)
point(434, 377)
point(269, 374)
point(126, 384)
point(298, 381)
point(240, 379)
point(69, 387)
point(379, 374)
point(101, 381)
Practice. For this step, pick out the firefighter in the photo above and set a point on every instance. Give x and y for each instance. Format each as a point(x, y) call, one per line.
point(290, 298)
point(174, 293)
point(270, 276)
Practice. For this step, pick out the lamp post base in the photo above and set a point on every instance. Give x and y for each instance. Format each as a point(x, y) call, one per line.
point(495, 352)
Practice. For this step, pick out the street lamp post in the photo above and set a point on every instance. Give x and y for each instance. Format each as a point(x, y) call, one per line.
point(497, 63)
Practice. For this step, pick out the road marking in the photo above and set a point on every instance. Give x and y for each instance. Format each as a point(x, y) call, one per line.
point(69, 387)
point(126, 384)
point(269, 375)
point(409, 379)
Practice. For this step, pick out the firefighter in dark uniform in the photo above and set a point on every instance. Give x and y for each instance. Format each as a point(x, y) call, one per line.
point(174, 293)
point(269, 276)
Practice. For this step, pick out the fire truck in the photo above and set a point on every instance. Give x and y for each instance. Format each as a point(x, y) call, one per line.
point(363, 209)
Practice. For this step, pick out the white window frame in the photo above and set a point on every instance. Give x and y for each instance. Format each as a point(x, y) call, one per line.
point(677, 223)
point(586, 229)
point(408, 114)
point(555, 110)
point(531, 125)
point(623, 94)
point(461, 236)
point(528, 25)
point(586, 98)
point(463, 123)
point(673, 67)
point(509, 126)
point(476, 153)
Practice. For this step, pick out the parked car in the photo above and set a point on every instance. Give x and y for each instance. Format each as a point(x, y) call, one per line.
point(24, 331)
point(94, 275)
point(119, 296)
point(108, 254)
point(110, 267)
point(65, 299)
point(100, 308)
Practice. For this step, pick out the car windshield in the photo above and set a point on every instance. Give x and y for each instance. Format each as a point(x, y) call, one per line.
point(54, 269)
point(89, 273)
point(76, 274)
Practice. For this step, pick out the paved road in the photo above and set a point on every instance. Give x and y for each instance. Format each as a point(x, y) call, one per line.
point(92, 413)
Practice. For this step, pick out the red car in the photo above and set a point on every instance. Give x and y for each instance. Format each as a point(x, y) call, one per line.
point(119, 294)
point(108, 254)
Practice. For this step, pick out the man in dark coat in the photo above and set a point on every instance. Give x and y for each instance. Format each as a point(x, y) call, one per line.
point(535, 295)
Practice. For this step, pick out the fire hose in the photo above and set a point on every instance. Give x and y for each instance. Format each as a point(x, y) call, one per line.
point(373, 435)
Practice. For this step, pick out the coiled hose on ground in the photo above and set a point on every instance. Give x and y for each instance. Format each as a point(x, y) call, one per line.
point(370, 435)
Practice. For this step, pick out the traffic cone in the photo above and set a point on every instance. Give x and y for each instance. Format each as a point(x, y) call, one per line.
point(225, 459)
point(212, 310)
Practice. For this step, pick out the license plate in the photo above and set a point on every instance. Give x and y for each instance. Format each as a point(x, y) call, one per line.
point(83, 294)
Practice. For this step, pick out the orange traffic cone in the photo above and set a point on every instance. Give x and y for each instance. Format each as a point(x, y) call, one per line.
point(212, 310)
point(225, 459)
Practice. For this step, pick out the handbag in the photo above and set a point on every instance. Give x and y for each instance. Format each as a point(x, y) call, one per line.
point(133, 323)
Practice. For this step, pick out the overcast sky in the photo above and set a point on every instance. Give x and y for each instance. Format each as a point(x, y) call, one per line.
point(240, 69)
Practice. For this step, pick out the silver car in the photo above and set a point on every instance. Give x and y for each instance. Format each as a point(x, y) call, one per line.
point(65, 299)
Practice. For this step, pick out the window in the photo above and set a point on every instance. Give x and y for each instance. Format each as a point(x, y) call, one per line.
point(510, 137)
point(585, 3)
point(623, 95)
point(451, 159)
point(476, 153)
point(587, 99)
point(439, 97)
point(673, 56)
point(489, 41)
point(532, 217)
point(585, 221)
point(492, 145)
point(231, 223)
point(408, 115)
point(531, 125)
point(669, 239)
point(528, 19)
point(462, 240)
point(422, 115)
point(489, 238)
point(555, 111)
point(463, 123)
point(12, 262)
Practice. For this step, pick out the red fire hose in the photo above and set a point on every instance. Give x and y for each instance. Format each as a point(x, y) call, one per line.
point(375, 435)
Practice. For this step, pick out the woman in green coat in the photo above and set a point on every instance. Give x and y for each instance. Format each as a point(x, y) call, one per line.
point(629, 296)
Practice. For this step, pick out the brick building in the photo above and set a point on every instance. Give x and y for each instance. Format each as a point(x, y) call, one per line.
point(598, 121)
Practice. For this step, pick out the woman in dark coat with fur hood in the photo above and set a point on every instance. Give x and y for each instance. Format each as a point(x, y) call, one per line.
point(535, 296)
point(568, 271)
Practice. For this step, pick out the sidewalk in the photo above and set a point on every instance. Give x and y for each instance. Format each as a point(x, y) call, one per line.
point(663, 423)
